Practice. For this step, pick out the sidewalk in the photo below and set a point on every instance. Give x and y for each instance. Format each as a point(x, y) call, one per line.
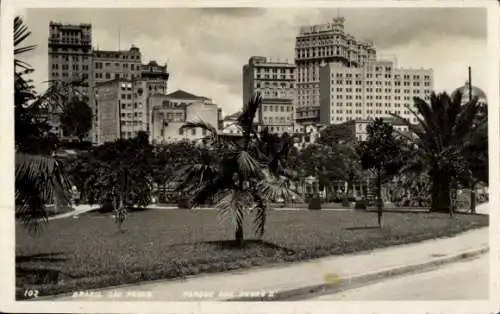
point(298, 279)
point(79, 209)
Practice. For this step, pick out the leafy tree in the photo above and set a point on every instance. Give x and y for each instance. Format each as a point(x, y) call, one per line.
point(445, 136)
point(337, 134)
point(242, 180)
point(330, 163)
point(118, 172)
point(76, 118)
point(171, 157)
point(380, 153)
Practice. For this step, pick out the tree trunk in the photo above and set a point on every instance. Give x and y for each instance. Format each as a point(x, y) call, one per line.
point(238, 235)
point(380, 205)
point(440, 194)
point(473, 197)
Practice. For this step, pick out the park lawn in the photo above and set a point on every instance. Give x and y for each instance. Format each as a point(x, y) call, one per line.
point(88, 252)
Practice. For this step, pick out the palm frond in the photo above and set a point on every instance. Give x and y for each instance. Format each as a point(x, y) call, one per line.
point(233, 206)
point(247, 116)
point(21, 33)
point(199, 124)
point(248, 166)
point(275, 188)
point(39, 180)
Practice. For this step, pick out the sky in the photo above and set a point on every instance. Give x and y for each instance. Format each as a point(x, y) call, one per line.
point(206, 47)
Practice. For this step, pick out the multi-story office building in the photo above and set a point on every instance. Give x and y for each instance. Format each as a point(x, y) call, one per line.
point(374, 90)
point(69, 59)
point(127, 65)
point(123, 109)
point(275, 81)
point(170, 112)
point(319, 44)
point(124, 64)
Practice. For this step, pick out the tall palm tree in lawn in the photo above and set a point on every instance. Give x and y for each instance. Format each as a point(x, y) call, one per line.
point(244, 179)
point(39, 177)
point(444, 130)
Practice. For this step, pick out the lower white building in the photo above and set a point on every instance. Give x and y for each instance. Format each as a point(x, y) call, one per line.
point(374, 90)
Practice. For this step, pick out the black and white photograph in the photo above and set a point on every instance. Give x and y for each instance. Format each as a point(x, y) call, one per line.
point(179, 157)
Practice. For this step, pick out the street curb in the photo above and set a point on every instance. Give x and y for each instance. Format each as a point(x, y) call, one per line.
point(344, 283)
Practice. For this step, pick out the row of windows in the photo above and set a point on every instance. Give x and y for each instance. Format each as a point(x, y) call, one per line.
point(326, 52)
point(68, 49)
point(66, 74)
point(67, 58)
point(386, 83)
point(193, 132)
point(133, 66)
point(370, 90)
point(108, 75)
point(117, 56)
point(349, 118)
point(370, 104)
point(275, 84)
point(276, 108)
point(274, 70)
point(277, 119)
point(129, 105)
point(274, 77)
point(129, 115)
point(378, 111)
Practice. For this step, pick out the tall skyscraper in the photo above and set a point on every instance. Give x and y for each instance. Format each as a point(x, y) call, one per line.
point(275, 81)
point(69, 59)
point(322, 44)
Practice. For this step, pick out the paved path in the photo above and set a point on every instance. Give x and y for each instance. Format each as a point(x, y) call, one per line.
point(79, 209)
point(466, 280)
point(299, 275)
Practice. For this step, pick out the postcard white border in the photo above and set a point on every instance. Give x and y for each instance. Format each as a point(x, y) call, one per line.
point(7, 243)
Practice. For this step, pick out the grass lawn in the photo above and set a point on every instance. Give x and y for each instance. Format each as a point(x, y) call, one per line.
point(84, 253)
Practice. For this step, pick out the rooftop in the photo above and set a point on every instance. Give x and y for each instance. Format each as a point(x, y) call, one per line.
point(181, 94)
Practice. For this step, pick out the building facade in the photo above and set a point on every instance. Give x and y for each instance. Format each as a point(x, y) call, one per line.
point(127, 65)
point(359, 127)
point(229, 124)
point(69, 59)
point(276, 83)
point(319, 44)
point(122, 109)
point(169, 112)
point(374, 90)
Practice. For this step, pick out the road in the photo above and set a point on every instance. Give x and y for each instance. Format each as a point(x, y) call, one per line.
point(462, 280)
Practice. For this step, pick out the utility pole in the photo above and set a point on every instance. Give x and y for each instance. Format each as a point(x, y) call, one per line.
point(470, 85)
point(472, 187)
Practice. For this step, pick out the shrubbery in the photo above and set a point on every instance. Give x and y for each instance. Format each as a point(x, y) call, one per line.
point(314, 203)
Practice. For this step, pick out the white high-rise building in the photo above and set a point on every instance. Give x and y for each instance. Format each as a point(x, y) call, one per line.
point(375, 90)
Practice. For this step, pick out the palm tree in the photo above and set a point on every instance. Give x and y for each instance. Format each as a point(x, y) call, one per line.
point(39, 177)
point(245, 178)
point(444, 130)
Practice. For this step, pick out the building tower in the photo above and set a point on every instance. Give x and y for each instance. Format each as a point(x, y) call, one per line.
point(324, 44)
point(69, 59)
point(275, 81)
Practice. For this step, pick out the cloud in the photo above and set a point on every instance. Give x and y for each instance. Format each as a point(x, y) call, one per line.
point(207, 47)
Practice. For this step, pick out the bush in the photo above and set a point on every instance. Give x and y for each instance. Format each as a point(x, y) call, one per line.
point(362, 205)
point(185, 204)
point(314, 203)
point(346, 202)
point(107, 207)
